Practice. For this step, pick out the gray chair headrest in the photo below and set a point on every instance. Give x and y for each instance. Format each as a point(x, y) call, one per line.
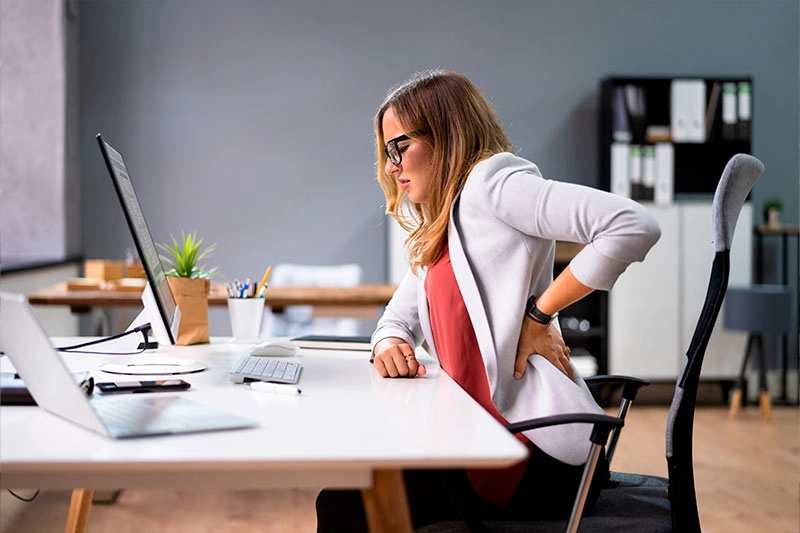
point(738, 178)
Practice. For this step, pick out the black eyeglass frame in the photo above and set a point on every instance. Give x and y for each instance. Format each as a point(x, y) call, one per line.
point(393, 144)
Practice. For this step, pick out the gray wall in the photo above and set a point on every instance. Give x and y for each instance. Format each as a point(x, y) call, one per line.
point(39, 174)
point(251, 121)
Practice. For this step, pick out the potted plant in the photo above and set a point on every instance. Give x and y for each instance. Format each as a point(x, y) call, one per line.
point(190, 282)
point(772, 209)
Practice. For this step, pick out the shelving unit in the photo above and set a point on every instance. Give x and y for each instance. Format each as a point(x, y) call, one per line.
point(583, 324)
point(698, 164)
point(646, 312)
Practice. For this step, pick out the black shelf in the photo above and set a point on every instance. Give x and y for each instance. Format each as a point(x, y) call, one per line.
point(593, 308)
point(697, 165)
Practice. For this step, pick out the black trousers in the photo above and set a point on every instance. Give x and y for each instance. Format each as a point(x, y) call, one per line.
point(547, 490)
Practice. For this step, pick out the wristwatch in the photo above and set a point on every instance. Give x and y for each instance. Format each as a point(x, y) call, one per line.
point(536, 314)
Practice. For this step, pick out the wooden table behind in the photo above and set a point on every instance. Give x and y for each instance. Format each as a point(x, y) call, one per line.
point(275, 297)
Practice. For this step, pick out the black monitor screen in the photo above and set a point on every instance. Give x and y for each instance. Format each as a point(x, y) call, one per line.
point(141, 234)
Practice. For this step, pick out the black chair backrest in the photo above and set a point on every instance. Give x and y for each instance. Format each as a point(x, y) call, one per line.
point(738, 178)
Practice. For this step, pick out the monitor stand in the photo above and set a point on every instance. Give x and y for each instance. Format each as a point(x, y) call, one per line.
point(150, 364)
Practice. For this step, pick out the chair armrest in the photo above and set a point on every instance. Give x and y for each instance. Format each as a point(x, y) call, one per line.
point(631, 385)
point(602, 424)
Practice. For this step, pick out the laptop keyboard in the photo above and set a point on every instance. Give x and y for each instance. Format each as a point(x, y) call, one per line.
point(265, 369)
point(135, 414)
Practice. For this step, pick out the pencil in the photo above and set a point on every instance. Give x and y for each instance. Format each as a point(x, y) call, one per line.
point(264, 280)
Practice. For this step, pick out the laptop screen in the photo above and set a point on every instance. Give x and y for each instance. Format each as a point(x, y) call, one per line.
point(141, 235)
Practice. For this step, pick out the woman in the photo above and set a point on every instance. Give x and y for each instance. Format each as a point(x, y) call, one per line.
point(483, 225)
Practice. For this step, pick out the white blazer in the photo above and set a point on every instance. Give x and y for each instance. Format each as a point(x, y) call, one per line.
point(502, 233)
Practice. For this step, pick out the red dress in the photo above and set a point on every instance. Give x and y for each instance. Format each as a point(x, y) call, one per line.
point(460, 356)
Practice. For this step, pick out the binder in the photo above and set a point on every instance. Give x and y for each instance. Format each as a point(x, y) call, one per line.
point(678, 111)
point(712, 111)
point(743, 101)
point(688, 110)
point(620, 183)
point(635, 171)
point(729, 111)
point(637, 110)
point(648, 172)
point(620, 126)
point(695, 107)
point(664, 166)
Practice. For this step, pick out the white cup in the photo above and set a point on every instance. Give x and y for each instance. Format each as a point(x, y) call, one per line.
point(246, 316)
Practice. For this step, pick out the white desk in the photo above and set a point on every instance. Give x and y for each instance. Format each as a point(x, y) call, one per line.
point(348, 429)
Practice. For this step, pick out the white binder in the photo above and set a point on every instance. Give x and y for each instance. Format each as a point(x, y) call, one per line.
point(678, 112)
point(696, 110)
point(664, 173)
point(688, 110)
point(729, 111)
point(620, 183)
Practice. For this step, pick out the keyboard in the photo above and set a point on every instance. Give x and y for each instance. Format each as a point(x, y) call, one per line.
point(126, 414)
point(138, 415)
point(274, 369)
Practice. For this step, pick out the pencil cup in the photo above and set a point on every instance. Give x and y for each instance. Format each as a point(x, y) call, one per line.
point(246, 316)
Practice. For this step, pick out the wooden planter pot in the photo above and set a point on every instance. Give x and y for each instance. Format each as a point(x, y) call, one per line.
point(191, 295)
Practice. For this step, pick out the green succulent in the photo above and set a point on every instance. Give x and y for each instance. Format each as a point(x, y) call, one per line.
point(184, 256)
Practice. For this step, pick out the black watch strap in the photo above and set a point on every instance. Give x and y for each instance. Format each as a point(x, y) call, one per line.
point(536, 314)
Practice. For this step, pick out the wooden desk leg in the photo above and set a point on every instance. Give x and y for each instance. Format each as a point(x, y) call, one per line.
point(79, 507)
point(386, 503)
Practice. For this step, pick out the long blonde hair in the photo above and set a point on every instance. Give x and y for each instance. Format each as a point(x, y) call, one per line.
point(448, 112)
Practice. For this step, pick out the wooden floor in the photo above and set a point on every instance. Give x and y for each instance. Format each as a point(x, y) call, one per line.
point(746, 470)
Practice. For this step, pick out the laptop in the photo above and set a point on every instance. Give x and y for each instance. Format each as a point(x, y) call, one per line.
point(54, 388)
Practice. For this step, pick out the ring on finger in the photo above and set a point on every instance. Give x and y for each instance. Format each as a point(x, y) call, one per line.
point(409, 357)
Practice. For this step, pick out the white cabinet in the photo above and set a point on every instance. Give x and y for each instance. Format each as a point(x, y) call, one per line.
point(57, 321)
point(654, 306)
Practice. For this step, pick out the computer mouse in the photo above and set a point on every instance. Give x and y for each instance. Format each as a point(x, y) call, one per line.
point(274, 348)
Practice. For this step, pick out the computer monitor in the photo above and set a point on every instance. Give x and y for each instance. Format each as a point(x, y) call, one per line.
point(160, 308)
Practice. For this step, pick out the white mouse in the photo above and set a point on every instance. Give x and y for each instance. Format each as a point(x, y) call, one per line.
point(274, 348)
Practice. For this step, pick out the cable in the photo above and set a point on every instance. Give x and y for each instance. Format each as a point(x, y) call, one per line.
point(144, 329)
point(17, 496)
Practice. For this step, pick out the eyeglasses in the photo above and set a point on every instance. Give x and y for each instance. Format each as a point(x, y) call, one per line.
point(395, 153)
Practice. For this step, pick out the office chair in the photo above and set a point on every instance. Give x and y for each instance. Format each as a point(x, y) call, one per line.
point(642, 503)
point(630, 388)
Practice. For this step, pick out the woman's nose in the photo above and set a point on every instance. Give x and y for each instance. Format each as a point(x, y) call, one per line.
point(391, 168)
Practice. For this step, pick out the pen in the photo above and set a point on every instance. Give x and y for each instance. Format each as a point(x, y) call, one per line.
point(275, 388)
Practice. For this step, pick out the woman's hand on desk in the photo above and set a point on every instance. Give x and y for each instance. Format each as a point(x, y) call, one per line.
point(394, 358)
point(545, 340)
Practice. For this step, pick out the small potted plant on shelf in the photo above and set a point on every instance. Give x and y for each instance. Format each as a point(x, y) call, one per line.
point(772, 209)
point(190, 282)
